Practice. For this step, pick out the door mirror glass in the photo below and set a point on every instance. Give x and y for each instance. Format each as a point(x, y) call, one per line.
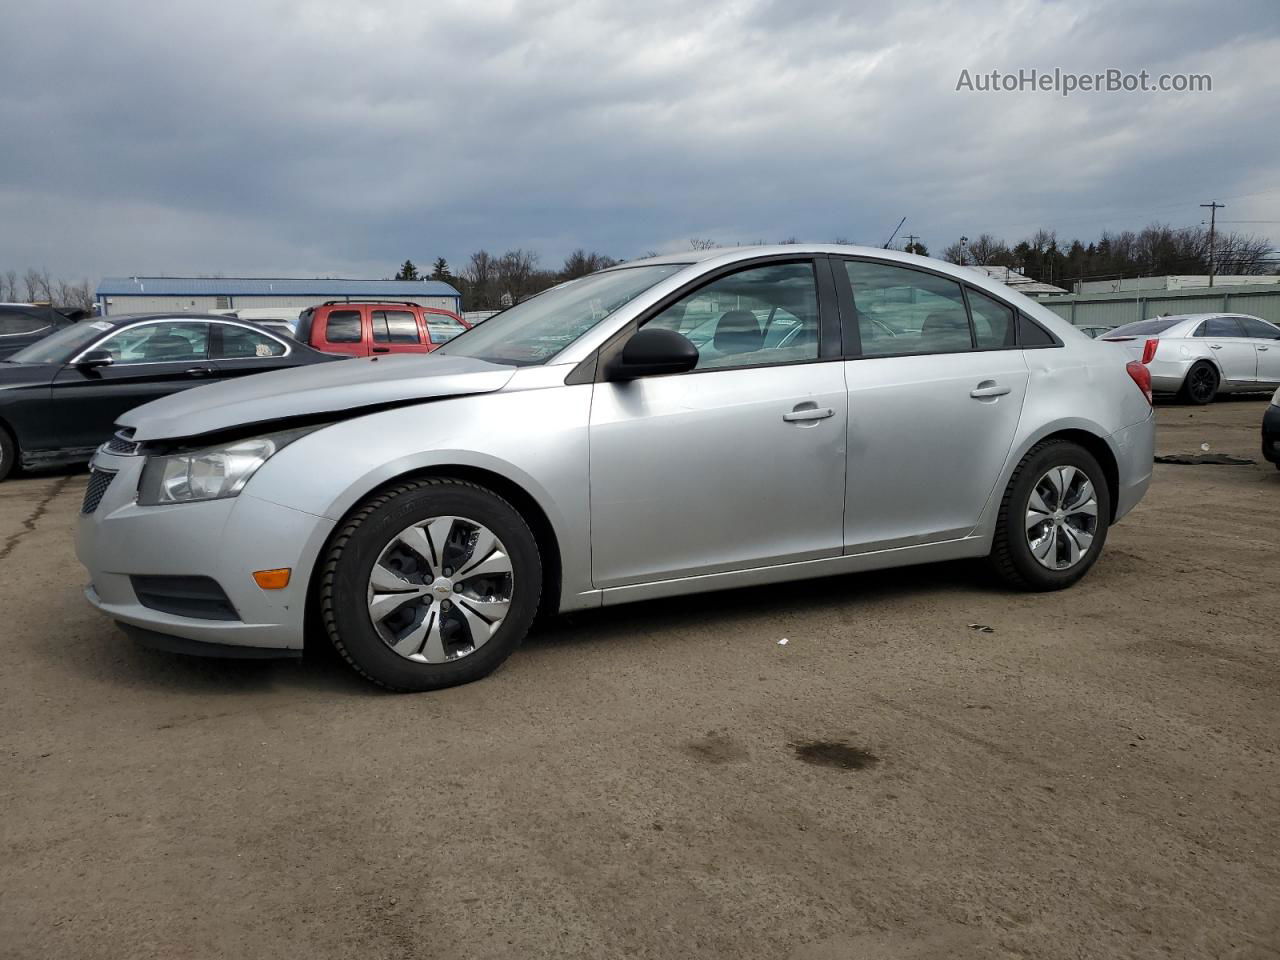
point(94, 359)
point(654, 351)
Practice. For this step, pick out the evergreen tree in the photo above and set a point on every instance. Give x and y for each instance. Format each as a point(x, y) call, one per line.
point(408, 271)
point(440, 270)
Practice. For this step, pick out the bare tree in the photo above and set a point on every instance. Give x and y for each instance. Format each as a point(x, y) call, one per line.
point(10, 283)
point(514, 273)
point(477, 277)
point(955, 253)
point(73, 296)
point(702, 243)
point(31, 280)
point(580, 263)
point(987, 249)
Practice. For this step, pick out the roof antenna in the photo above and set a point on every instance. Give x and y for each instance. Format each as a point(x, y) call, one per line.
point(894, 234)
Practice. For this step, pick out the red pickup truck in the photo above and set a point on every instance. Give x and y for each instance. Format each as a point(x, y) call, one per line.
point(377, 326)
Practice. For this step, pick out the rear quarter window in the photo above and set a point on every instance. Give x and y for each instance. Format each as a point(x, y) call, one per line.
point(342, 326)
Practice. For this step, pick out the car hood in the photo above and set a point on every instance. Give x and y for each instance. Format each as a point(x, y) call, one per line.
point(350, 385)
point(25, 374)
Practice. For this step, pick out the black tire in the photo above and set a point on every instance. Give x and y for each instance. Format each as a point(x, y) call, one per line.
point(1011, 555)
point(1201, 384)
point(8, 453)
point(345, 569)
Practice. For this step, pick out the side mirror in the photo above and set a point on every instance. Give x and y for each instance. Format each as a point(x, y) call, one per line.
point(94, 359)
point(653, 351)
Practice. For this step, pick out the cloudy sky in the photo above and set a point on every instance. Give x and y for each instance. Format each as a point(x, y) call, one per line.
point(334, 137)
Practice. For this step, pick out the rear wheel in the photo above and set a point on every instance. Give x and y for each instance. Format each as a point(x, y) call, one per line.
point(1053, 518)
point(1200, 385)
point(430, 584)
point(8, 453)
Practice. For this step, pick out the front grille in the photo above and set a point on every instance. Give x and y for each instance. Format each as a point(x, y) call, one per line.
point(122, 443)
point(199, 597)
point(99, 480)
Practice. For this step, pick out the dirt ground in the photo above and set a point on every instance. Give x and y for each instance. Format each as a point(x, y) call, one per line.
point(1096, 777)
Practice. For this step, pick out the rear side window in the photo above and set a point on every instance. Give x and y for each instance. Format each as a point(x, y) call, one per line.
point(303, 333)
point(239, 343)
point(1220, 327)
point(343, 326)
point(1259, 329)
point(903, 311)
point(993, 325)
point(395, 326)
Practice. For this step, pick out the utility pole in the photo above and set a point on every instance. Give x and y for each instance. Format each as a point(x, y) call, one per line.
point(964, 242)
point(1213, 208)
point(911, 242)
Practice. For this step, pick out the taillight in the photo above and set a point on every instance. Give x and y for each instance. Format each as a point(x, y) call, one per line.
point(1149, 350)
point(1141, 376)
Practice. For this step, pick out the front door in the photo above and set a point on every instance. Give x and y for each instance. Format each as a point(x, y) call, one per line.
point(1266, 346)
point(738, 463)
point(934, 402)
point(150, 360)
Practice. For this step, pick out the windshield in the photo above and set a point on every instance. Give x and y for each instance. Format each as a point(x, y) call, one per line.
point(61, 346)
point(534, 331)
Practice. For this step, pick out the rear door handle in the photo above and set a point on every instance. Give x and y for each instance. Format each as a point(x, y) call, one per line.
point(989, 388)
point(1215, 346)
point(809, 413)
point(198, 371)
point(381, 349)
point(1264, 348)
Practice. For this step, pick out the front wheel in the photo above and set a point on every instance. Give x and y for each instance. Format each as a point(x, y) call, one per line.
point(1053, 518)
point(429, 584)
point(1201, 384)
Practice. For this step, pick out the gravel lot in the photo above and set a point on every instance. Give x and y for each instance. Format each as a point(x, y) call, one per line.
point(1096, 777)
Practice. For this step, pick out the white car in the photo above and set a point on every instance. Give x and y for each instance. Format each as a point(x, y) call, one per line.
point(1199, 355)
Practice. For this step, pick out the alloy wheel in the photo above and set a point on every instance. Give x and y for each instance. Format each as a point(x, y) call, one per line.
point(1202, 384)
point(1062, 517)
point(440, 589)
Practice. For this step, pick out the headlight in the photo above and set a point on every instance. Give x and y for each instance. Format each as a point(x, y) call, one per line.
point(209, 474)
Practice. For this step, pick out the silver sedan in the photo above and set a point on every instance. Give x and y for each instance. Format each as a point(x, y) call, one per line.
point(1199, 355)
point(668, 426)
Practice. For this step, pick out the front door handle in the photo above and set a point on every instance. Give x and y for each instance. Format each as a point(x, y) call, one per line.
point(1264, 348)
point(989, 388)
point(198, 371)
point(381, 349)
point(806, 414)
point(1215, 346)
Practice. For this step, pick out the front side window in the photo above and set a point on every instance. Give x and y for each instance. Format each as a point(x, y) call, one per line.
point(343, 326)
point(903, 311)
point(534, 331)
point(159, 343)
point(993, 325)
point(442, 329)
point(241, 342)
point(1259, 329)
point(395, 326)
point(1220, 327)
point(761, 315)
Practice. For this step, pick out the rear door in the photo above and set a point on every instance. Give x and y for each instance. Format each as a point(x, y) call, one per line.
point(1233, 351)
point(151, 360)
point(341, 330)
point(236, 351)
point(1266, 346)
point(396, 330)
point(934, 403)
